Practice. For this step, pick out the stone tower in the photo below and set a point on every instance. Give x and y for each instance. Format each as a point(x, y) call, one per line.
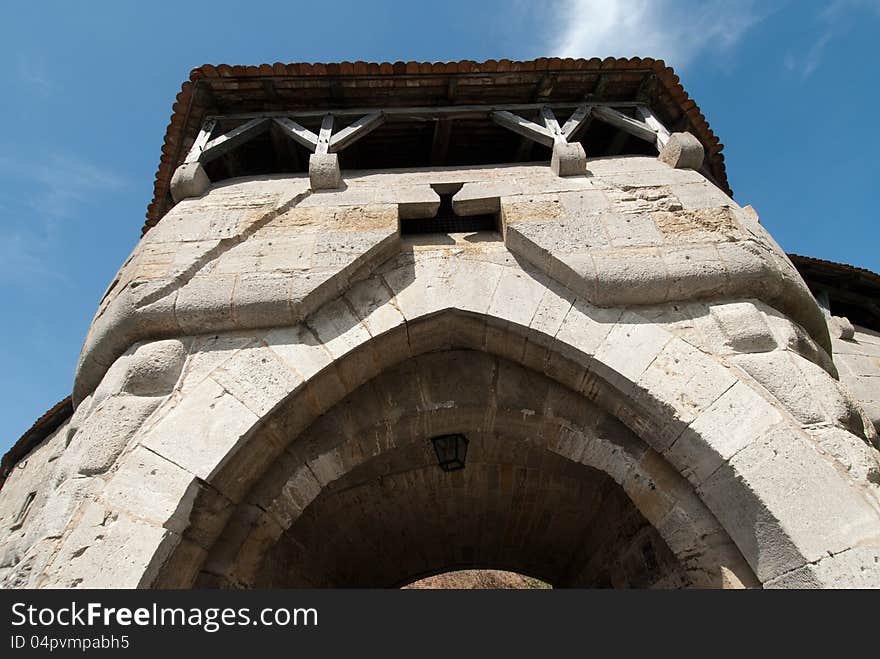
point(388, 320)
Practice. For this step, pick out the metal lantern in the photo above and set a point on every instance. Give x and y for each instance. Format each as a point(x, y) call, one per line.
point(451, 451)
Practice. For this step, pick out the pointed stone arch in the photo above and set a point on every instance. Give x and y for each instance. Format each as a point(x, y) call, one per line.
point(746, 459)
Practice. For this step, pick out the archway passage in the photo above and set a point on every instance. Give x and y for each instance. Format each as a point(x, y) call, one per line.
point(553, 487)
point(526, 510)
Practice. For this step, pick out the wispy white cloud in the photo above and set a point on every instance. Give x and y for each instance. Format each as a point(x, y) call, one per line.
point(837, 7)
point(807, 63)
point(833, 20)
point(33, 76)
point(24, 257)
point(47, 191)
point(677, 31)
point(57, 183)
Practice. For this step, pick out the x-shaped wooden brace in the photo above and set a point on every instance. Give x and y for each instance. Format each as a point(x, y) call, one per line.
point(205, 149)
point(550, 133)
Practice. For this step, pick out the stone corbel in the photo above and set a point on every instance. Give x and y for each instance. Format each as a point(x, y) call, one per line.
point(191, 180)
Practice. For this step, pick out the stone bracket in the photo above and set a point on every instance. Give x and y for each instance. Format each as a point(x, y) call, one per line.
point(324, 172)
point(569, 157)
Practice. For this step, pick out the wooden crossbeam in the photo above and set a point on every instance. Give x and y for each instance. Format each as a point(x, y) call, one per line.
point(654, 123)
point(523, 127)
point(323, 145)
point(297, 132)
point(202, 139)
point(220, 145)
point(450, 111)
point(578, 118)
point(551, 124)
point(630, 125)
point(650, 129)
point(358, 129)
point(440, 142)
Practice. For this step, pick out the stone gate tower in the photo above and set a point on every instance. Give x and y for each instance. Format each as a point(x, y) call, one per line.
point(388, 320)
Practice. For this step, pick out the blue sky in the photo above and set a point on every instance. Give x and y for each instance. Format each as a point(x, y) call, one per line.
point(790, 87)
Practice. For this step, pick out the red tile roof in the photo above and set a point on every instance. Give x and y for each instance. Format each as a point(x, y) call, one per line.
point(227, 89)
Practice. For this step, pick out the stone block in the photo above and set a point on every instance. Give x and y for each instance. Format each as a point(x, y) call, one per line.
point(685, 381)
point(694, 272)
point(682, 151)
point(105, 433)
point(324, 171)
point(630, 346)
point(417, 201)
point(631, 230)
point(635, 275)
point(859, 459)
point(202, 430)
point(784, 504)
point(841, 328)
point(517, 297)
point(696, 196)
point(585, 327)
point(205, 302)
point(482, 198)
point(189, 180)
point(551, 311)
point(300, 349)
point(257, 377)
point(568, 159)
point(855, 568)
point(737, 418)
point(149, 487)
point(109, 549)
point(154, 368)
point(262, 300)
point(743, 327)
point(372, 303)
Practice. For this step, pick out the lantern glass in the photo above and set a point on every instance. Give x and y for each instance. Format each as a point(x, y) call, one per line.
point(451, 451)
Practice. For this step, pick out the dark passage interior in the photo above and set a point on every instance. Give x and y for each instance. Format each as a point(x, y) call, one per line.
point(359, 499)
point(400, 517)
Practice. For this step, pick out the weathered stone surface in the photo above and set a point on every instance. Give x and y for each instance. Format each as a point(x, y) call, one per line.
point(189, 180)
point(635, 363)
point(324, 171)
point(796, 478)
point(568, 159)
point(154, 368)
point(683, 151)
point(858, 360)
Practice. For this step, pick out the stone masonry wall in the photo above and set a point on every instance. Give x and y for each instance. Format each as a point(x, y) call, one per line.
point(641, 287)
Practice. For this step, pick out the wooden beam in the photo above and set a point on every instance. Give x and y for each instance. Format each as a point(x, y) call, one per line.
point(297, 132)
point(269, 88)
point(440, 143)
point(201, 140)
point(551, 124)
point(225, 143)
point(451, 111)
point(598, 89)
point(544, 87)
point(323, 145)
point(355, 131)
point(654, 124)
point(630, 125)
point(576, 121)
point(523, 127)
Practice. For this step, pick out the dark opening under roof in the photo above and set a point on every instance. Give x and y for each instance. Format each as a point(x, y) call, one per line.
point(224, 90)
